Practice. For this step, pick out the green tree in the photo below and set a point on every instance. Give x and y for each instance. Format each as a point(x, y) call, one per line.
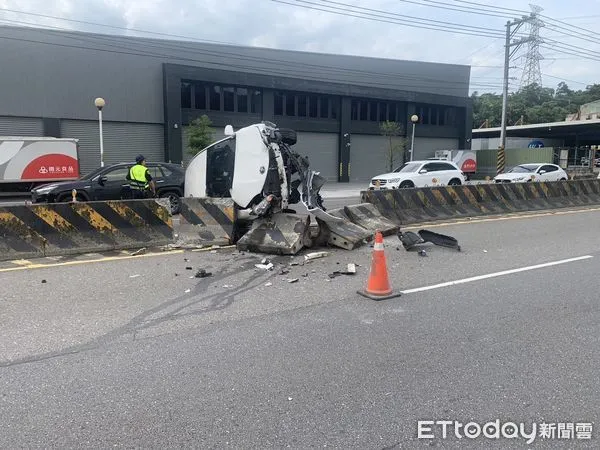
point(397, 143)
point(200, 134)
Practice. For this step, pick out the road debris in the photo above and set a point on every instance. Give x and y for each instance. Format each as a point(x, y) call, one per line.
point(422, 253)
point(350, 269)
point(189, 268)
point(293, 280)
point(264, 266)
point(187, 291)
point(294, 264)
point(203, 274)
point(139, 252)
point(485, 251)
point(284, 271)
point(268, 284)
point(265, 261)
point(315, 255)
point(44, 281)
point(134, 276)
point(226, 286)
point(335, 274)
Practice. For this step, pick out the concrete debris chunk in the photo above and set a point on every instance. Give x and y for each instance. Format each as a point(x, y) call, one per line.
point(315, 255)
point(213, 251)
point(350, 269)
point(187, 291)
point(284, 271)
point(44, 281)
point(268, 284)
point(265, 261)
point(203, 274)
point(293, 280)
point(422, 253)
point(264, 266)
point(141, 251)
point(335, 274)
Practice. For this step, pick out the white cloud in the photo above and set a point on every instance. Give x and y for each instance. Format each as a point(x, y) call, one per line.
point(269, 24)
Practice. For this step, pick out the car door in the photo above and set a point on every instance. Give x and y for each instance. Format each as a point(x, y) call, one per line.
point(430, 178)
point(547, 172)
point(111, 184)
point(446, 173)
point(156, 175)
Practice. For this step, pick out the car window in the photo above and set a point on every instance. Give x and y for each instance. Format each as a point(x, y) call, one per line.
point(446, 166)
point(155, 172)
point(166, 171)
point(119, 174)
point(408, 167)
point(435, 167)
point(549, 168)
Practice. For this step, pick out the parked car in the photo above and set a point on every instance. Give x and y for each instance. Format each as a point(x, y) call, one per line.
point(420, 174)
point(532, 172)
point(110, 183)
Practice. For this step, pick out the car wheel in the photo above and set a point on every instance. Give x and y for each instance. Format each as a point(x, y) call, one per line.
point(563, 179)
point(454, 182)
point(407, 184)
point(174, 201)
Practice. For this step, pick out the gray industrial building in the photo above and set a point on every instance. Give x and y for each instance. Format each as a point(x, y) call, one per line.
point(154, 88)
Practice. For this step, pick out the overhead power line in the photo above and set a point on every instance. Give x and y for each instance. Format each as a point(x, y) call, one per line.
point(395, 19)
point(448, 7)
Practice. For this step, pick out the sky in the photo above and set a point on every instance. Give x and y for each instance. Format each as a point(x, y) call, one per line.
point(269, 23)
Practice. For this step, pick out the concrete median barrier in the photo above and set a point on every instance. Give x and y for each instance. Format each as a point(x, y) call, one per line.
point(206, 221)
point(407, 206)
point(28, 231)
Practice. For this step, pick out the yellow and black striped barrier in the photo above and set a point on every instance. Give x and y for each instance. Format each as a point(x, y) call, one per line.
point(207, 221)
point(407, 206)
point(28, 231)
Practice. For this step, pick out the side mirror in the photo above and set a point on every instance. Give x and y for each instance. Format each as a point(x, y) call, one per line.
point(542, 172)
point(229, 130)
point(422, 171)
point(103, 179)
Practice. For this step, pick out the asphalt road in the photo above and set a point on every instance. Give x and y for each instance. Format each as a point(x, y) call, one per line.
point(135, 353)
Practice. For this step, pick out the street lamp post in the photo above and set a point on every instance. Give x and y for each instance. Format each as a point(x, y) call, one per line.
point(99, 102)
point(414, 119)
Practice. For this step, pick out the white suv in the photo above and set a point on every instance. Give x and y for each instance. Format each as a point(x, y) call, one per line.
point(420, 174)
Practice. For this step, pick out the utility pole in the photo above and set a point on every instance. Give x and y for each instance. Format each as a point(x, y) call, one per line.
point(510, 32)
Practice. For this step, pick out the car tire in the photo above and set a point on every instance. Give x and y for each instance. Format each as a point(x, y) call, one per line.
point(406, 185)
point(174, 201)
point(563, 179)
point(454, 182)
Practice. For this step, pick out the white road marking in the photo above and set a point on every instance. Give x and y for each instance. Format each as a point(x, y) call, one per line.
point(496, 274)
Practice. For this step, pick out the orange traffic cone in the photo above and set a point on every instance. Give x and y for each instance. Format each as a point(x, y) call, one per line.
point(378, 284)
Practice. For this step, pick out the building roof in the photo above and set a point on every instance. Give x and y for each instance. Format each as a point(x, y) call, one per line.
point(551, 128)
point(427, 77)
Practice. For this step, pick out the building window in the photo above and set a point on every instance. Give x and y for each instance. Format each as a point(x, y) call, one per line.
point(363, 110)
point(392, 113)
point(256, 102)
point(354, 110)
point(242, 100)
point(228, 99)
point(313, 106)
point(302, 105)
point(290, 105)
point(278, 104)
point(383, 109)
point(215, 98)
point(324, 110)
point(373, 111)
point(199, 96)
point(335, 108)
point(433, 118)
point(186, 95)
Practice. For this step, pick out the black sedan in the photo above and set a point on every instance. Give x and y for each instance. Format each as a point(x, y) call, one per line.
point(110, 183)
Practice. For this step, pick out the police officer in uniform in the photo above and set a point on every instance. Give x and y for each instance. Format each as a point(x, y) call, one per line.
point(140, 180)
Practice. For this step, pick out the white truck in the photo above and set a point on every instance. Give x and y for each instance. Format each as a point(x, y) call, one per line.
point(26, 162)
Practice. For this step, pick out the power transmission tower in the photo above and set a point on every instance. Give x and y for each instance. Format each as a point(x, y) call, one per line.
point(511, 30)
point(532, 72)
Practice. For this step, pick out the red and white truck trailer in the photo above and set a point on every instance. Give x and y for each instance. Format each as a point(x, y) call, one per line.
point(26, 162)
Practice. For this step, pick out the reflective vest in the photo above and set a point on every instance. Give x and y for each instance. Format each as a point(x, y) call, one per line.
point(137, 175)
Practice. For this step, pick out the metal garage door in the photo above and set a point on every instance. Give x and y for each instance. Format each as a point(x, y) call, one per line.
point(426, 147)
point(369, 156)
point(21, 126)
point(122, 141)
point(218, 133)
point(322, 151)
